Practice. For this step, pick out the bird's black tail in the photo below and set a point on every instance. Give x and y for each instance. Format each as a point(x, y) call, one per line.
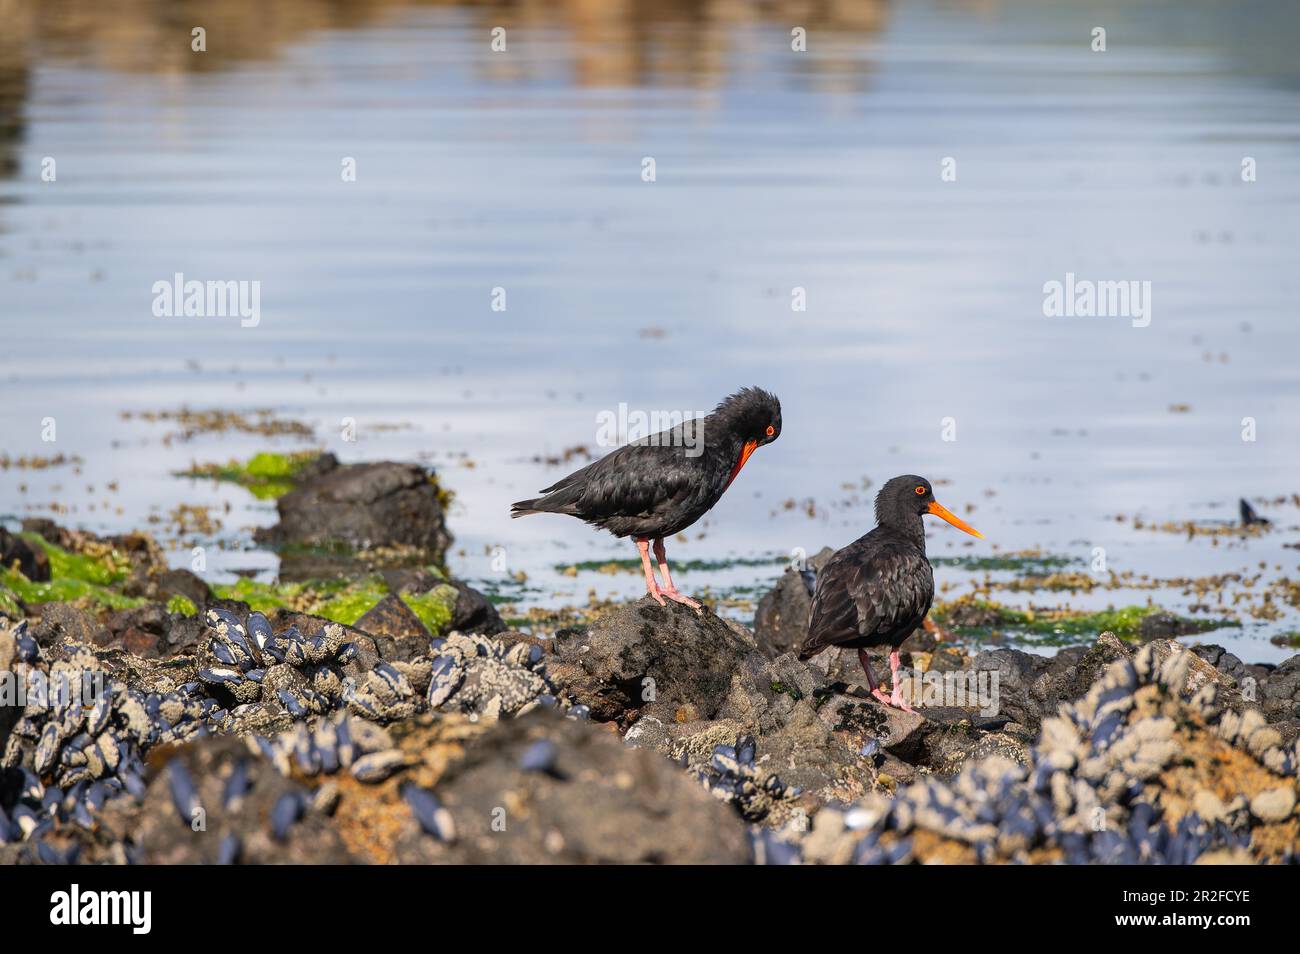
point(552, 500)
point(522, 508)
point(561, 497)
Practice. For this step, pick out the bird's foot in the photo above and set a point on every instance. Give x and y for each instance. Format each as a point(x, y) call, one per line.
point(657, 594)
point(898, 702)
point(681, 598)
point(895, 701)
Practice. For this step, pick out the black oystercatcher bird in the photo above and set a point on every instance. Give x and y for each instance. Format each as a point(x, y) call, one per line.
point(878, 589)
point(659, 485)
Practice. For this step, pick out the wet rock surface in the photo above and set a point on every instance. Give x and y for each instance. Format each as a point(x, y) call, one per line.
point(781, 620)
point(362, 506)
point(645, 659)
point(474, 612)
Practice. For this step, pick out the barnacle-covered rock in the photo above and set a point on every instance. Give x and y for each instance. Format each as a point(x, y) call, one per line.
point(734, 775)
point(486, 677)
point(218, 802)
point(1114, 778)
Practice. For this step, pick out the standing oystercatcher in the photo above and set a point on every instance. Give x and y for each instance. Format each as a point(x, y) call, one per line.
point(877, 590)
point(659, 485)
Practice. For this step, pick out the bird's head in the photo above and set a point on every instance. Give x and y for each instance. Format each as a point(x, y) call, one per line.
point(752, 415)
point(749, 418)
point(904, 497)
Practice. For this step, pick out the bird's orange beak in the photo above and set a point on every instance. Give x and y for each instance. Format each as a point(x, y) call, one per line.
point(746, 451)
point(943, 512)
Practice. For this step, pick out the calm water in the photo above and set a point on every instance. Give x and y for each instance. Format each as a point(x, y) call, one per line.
point(774, 170)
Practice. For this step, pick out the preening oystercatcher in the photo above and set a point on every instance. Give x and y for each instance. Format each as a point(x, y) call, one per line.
point(659, 485)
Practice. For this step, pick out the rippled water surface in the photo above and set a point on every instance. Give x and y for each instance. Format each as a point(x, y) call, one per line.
point(775, 170)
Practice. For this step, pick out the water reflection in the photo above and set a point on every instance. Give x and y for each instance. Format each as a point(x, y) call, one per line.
point(612, 42)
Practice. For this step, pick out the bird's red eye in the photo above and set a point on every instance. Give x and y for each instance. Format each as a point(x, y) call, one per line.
point(770, 430)
point(920, 491)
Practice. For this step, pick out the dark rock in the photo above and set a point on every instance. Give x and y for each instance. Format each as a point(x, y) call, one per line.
point(474, 612)
point(1018, 672)
point(151, 632)
point(32, 560)
point(301, 566)
point(136, 630)
point(600, 802)
point(63, 621)
point(409, 579)
point(946, 659)
point(164, 586)
point(1165, 626)
point(1067, 676)
point(799, 723)
point(900, 733)
point(359, 506)
point(1278, 693)
point(398, 632)
point(781, 621)
point(645, 659)
point(964, 614)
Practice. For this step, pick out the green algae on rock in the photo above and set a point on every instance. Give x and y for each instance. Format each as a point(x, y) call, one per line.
point(182, 605)
point(74, 577)
point(65, 590)
point(9, 604)
point(980, 619)
point(266, 475)
point(343, 601)
point(103, 569)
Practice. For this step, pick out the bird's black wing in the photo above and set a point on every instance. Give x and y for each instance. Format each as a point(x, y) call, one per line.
point(639, 479)
point(871, 589)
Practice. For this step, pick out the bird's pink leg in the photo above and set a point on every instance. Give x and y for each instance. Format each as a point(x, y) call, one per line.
point(897, 699)
point(670, 591)
point(651, 585)
point(871, 680)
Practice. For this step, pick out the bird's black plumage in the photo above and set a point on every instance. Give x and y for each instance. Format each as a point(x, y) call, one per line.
point(661, 484)
point(879, 588)
point(874, 592)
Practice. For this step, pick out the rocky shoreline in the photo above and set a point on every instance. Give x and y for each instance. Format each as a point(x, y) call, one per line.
point(654, 734)
point(399, 720)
